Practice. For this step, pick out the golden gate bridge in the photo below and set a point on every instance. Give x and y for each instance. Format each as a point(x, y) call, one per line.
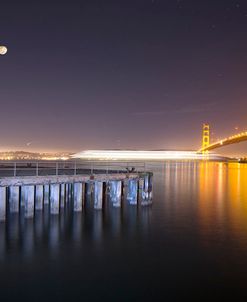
point(208, 146)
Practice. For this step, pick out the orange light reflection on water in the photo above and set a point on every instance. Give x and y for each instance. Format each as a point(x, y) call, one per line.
point(222, 204)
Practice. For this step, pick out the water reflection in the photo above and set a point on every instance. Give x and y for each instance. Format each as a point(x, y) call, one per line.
point(223, 198)
point(210, 197)
point(193, 237)
point(50, 233)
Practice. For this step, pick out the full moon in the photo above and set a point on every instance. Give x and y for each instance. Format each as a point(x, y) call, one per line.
point(3, 50)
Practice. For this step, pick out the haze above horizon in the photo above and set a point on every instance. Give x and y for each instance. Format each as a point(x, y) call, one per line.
point(122, 75)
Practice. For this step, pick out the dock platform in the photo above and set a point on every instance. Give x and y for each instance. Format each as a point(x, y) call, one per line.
point(32, 186)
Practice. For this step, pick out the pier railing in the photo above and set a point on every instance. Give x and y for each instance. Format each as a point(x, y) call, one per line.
point(43, 168)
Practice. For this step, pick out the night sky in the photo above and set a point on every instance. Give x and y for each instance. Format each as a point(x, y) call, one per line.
point(121, 74)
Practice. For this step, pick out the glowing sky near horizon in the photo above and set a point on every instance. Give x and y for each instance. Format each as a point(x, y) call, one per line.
point(122, 74)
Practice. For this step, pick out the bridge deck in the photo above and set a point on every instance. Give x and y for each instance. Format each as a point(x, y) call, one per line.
point(227, 141)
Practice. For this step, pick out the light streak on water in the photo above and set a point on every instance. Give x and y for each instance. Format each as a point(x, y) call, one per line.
point(143, 155)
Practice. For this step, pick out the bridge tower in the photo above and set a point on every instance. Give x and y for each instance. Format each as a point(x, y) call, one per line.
point(205, 137)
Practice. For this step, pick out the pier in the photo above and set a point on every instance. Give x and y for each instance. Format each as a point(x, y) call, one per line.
point(32, 186)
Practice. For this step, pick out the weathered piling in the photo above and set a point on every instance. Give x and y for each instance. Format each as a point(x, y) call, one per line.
point(29, 201)
point(70, 191)
point(146, 190)
point(46, 194)
point(132, 193)
point(14, 199)
point(55, 191)
point(98, 195)
point(22, 196)
point(54, 198)
point(62, 195)
point(66, 193)
point(83, 194)
point(116, 192)
point(77, 197)
point(89, 188)
point(39, 197)
point(2, 203)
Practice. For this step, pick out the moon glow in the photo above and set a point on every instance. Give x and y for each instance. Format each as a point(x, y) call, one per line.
point(3, 50)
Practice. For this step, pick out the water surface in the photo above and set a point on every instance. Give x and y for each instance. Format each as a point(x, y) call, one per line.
point(191, 244)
